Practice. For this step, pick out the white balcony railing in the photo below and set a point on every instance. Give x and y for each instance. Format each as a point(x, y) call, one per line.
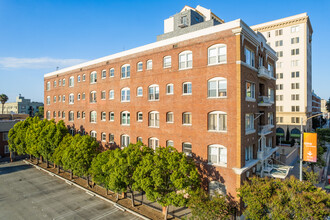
point(265, 129)
point(265, 101)
point(265, 73)
point(263, 153)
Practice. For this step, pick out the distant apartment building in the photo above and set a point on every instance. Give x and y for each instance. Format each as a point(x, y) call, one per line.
point(21, 106)
point(205, 87)
point(324, 106)
point(291, 38)
point(316, 104)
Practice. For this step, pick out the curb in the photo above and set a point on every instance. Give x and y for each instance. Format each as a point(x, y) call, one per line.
point(91, 193)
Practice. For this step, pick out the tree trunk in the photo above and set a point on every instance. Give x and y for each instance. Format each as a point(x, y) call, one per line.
point(71, 175)
point(165, 212)
point(123, 195)
point(37, 160)
point(11, 156)
point(117, 197)
point(132, 192)
point(54, 165)
point(88, 181)
point(47, 163)
point(106, 191)
point(58, 169)
point(30, 157)
point(40, 159)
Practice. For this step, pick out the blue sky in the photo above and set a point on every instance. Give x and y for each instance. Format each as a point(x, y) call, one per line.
point(39, 35)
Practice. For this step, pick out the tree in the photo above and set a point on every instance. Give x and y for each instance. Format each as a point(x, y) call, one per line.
point(167, 177)
point(283, 199)
point(287, 134)
point(46, 144)
point(60, 153)
point(3, 100)
point(40, 112)
point(32, 137)
point(328, 105)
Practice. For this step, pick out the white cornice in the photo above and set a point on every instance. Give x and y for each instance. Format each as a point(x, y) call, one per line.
point(282, 20)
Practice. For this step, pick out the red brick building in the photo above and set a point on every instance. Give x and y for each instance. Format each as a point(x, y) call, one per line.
point(206, 90)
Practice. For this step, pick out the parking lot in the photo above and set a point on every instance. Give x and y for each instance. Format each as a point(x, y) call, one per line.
point(27, 193)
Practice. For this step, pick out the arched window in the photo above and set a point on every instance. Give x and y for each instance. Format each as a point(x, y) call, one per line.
point(48, 86)
point(112, 72)
point(78, 114)
point(71, 98)
point(217, 121)
point(124, 140)
point(153, 143)
point(48, 115)
point(83, 115)
point(125, 118)
point(78, 97)
point(63, 98)
point(59, 82)
point(103, 137)
point(167, 62)
point(71, 81)
point(104, 74)
point(185, 60)
point(139, 139)
point(111, 116)
point(139, 92)
point(169, 117)
point(63, 114)
point(139, 116)
point(59, 98)
point(71, 115)
point(149, 64)
point(54, 84)
point(92, 97)
point(280, 132)
point(54, 99)
point(63, 82)
point(125, 71)
point(186, 118)
point(125, 95)
point(48, 100)
point(103, 95)
point(83, 96)
point(154, 119)
point(169, 89)
point(139, 66)
point(103, 116)
point(186, 148)
point(111, 94)
point(217, 54)
point(93, 134)
point(93, 77)
point(93, 117)
point(78, 78)
point(83, 77)
point(153, 92)
point(187, 88)
point(217, 155)
point(169, 143)
point(217, 87)
point(54, 114)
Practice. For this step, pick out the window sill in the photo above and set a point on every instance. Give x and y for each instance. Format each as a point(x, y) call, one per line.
point(111, 120)
point(156, 100)
point(214, 131)
point(71, 103)
point(217, 164)
point(214, 64)
point(103, 120)
point(112, 99)
point(248, 99)
point(221, 97)
point(167, 67)
point(126, 101)
point(153, 127)
point(111, 76)
point(250, 131)
point(170, 122)
point(125, 125)
point(125, 78)
point(139, 70)
point(187, 124)
point(93, 122)
point(169, 93)
point(139, 96)
point(187, 94)
point(93, 83)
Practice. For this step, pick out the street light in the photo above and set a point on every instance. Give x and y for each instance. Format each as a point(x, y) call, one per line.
point(301, 142)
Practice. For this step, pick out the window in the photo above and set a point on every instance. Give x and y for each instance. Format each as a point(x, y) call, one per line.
point(54, 114)
point(111, 116)
point(71, 98)
point(139, 139)
point(125, 95)
point(279, 75)
point(103, 137)
point(63, 98)
point(103, 116)
point(270, 118)
point(217, 87)
point(279, 108)
point(93, 134)
point(154, 119)
point(279, 32)
point(93, 77)
point(111, 138)
point(249, 153)
point(153, 143)
point(186, 88)
point(294, 85)
point(278, 43)
point(6, 151)
point(78, 114)
point(125, 118)
point(186, 118)
point(63, 82)
point(84, 77)
point(167, 62)
point(279, 64)
point(104, 74)
point(54, 84)
point(186, 148)
point(139, 117)
point(295, 74)
point(217, 54)
point(83, 115)
point(294, 29)
point(185, 60)
point(153, 92)
point(169, 117)
point(295, 97)
point(83, 96)
point(139, 66)
point(169, 143)
point(294, 40)
point(217, 155)
point(48, 100)
point(48, 86)
point(249, 123)
point(48, 115)
point(78, 78)
point(279, 54)
point(92, 97)
point(249, 57)
point(295, 120)
point(271, 69)
point(54, 99)
point(125, 71)
point(295, 108)
point(139, 92)
point(59, 82)
point(112, 72)
point(78, 97)
point(294, 63)
point(295, 51)
point(250, 90)
point(59, 98)
point(5, 136)
point(124, 140)
point(103, 95)
point(93, 117)
point(217, 121)
point(279, 87)
point(63, 114)
point(149, 64)
point(169, 89)
point(71, 116)
point(71, 81)
point(111, 94)
point(268, 34)
point(271, 94)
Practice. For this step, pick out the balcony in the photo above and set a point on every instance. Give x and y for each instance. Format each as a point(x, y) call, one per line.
point(265, 73)
point(264, 153)
point(265, 101)
point(265, 129)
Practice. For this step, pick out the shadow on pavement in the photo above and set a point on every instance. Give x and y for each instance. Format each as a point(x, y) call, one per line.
point(9, 168)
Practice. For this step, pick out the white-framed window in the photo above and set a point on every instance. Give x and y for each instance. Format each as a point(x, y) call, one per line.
point(217, 54)
point(83, 115)
point(54, 114)
point(279, 64)
point(154, 119)
point(63, 82)
point(125, 95)
point(59, 82)
point(250, 91)
point(59, 98)
point(111, 94)
point(78, 114)
point(125, 71)
point(71, 115)
point(217, 87)
point(294, 29)
point(139, 116)
point(103, 95)
point(48, 86)
point(271, 118)
point(139, 139)
point(93, 116)
point(153, 92)
point(169, 89)
point(104, 74)
point(71, 81)
point(124, 140)
point(54, 84)
point(84, 77)
point(92, 97)
point(48, 115)
point(63, 114)
point(78, 78)
point(249, 57)
point(153, 143)
point(186, 148)
point(83, 96)
point(217, 121)
point(103, 137)
point(295, 40)
point(185, 60)
point(93, 77)
point(125, 118)
point(249, 153)
point(71, 98)
point(249, 122)
point(112, 72)
point(149, 64)
point(78, 96)
point(139, 92)
point(186, 118)
point(169, 117)
point(271, 94)
point(187, 88)
point(6, 150)
point(103, 116)
point(278, 43)
point(63, 98)
point(167, 62)
point(279, 32)
point(111, 138)
point(139, 66)
point(93, 134)
point(169, 143)
point(295, 51)
point(111, 116)
point(48, 100)
point(217, 155)
point(294, 63)
point(5, 136)
point(54, 99)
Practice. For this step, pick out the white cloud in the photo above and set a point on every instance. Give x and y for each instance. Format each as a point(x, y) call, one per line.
point(37, 63)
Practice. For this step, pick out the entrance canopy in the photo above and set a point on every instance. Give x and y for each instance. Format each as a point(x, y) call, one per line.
point(280, 132)
point(295, 133)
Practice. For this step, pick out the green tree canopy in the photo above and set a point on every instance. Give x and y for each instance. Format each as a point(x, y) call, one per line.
point(99, 173)
point(3, 100)
point(32, 136)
